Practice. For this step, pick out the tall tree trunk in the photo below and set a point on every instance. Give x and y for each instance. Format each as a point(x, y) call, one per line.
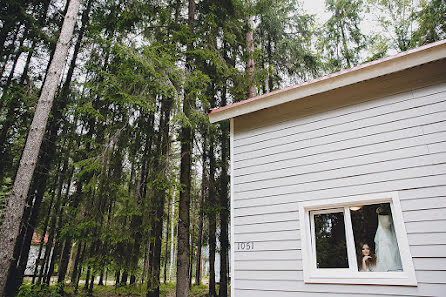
point(269, 52)
point(182, 286)
point(76, 261)
point(212, 213)
point(224, 204)
point(16, 203)
point(192, 236)
point(167, 240)
point(161, 167)
point(87, 278)
point(172, 237)
point(42, 240)
point(250, 63)
point(201, 215)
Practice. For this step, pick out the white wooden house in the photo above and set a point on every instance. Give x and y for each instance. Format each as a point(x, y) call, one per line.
point(358, 155)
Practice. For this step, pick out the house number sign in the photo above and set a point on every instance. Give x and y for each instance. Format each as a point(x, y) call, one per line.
point(245, 246)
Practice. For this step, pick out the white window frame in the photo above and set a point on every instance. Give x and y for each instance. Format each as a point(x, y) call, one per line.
point(351, 275)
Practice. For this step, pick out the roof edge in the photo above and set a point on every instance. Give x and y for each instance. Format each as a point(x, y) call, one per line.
point(391, 64)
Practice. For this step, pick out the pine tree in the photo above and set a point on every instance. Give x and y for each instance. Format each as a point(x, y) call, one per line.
point(16, 203)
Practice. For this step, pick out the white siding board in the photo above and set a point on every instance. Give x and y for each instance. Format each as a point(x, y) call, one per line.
point(425, 215)
point(428, 251)
point(268, 227)
point(283, 128)
point(263, 236)
point(341, 173)
point(276, 160)
point(429, 263)
point(436, 191)
point(331, 126)
point(291, 254)
point(292, 206)
point(309, 157)
point(269, 275)
point(339, 116)
point(362, 136)
point(424, 203)
point(285, 265)
point(296, 286)
point(342, 114)
point(426, 238)
point(341, 163)
point(281, 293)
point(266, 218)
point(347, 184)
point(378, 187)
point(271, 246)
point(424, 226)
point(431, 277)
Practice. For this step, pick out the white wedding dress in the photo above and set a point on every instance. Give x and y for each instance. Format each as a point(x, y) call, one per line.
point(386, 246)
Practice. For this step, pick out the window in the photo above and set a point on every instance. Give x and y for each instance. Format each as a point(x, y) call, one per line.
point(355, 240)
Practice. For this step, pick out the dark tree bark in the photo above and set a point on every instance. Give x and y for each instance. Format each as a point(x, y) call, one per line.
point(224, 205)
point(212, 213)
point(160, 197)
point(250, 64)
point(167, 240)
point(76, 261)
point(192, 236)
point(124, 278)
point(182, 285)
point(90, 287)
point(87, 278)
point(201, 212)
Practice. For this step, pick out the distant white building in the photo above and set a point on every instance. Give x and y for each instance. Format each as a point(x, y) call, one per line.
point(34, 253)
point(338, 184)
point(205, 255)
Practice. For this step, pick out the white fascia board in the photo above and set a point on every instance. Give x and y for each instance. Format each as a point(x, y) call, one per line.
point(419, 56)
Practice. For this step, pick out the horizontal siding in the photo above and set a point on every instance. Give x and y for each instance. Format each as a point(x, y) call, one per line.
point(296, 286)
point(264, 130)
point(333, 185)
point(290, 254)
point(397, 143)
point(367, 125)
point(333, 176)
point(282, 293)
point(390, 142)
point(296, 264)
point(423, 276)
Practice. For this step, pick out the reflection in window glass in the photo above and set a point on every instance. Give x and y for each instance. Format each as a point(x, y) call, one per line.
point(331, 250)
point(375, 239)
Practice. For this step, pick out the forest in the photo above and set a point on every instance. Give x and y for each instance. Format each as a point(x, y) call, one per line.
point(110, 172)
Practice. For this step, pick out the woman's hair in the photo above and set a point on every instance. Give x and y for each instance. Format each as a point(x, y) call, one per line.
point(371, 261)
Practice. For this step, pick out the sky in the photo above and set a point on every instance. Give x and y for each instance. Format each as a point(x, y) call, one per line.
point(316, 7)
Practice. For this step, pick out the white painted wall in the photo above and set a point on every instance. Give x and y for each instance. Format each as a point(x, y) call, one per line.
point(31, 264)
point(393, 143)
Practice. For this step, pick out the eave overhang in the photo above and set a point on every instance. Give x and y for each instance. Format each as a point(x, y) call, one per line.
point(402, 61)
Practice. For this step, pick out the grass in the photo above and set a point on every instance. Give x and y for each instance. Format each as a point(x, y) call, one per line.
point(166, 290)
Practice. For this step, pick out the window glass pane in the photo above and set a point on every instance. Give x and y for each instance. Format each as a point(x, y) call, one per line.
point(375, 238)
point(331, 249)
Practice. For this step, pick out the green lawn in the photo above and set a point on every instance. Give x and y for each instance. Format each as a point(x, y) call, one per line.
point(166, 290)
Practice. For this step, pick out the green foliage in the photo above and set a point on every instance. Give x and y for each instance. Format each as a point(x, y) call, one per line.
point(38, 291)
point(397, 20)
point(284, 39)
point(343, 40)
point(431, 21)
point(5, 189)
